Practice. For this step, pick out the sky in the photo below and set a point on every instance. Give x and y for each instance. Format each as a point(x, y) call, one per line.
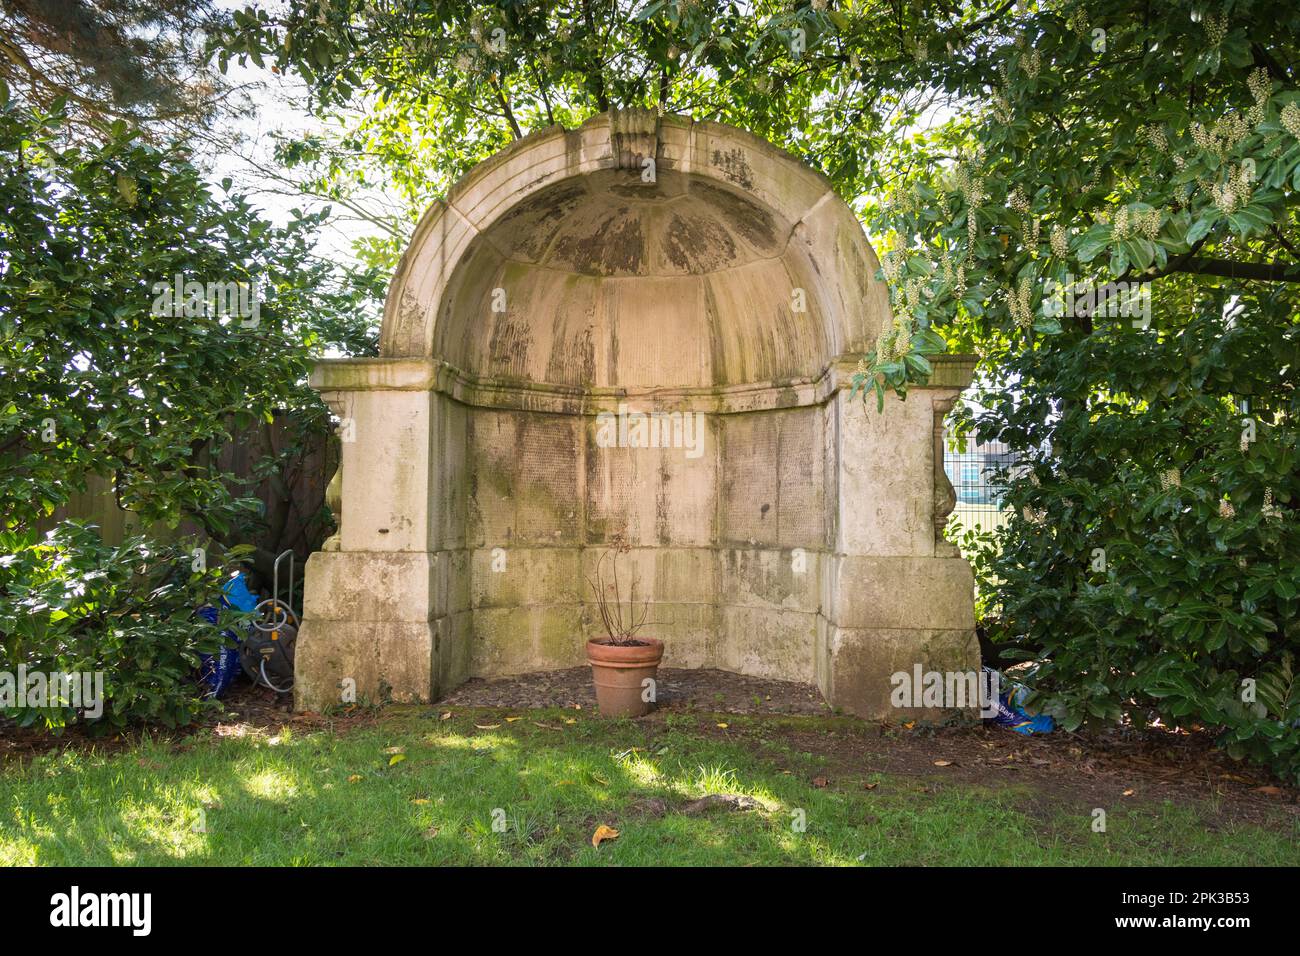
point(246, 153)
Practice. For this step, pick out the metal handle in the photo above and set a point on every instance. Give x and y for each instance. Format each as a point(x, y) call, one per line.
point(280, 612)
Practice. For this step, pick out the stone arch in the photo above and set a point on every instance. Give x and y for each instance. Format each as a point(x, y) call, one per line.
point(763, 198)
point(635, 266)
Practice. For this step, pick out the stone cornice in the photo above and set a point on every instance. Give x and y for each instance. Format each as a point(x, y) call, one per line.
point(332, 376)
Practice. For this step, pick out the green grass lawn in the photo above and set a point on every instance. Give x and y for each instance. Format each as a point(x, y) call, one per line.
point(414, 789)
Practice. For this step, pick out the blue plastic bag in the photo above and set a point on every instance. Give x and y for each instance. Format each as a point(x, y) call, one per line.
point(1010, 712)
point(217, 671)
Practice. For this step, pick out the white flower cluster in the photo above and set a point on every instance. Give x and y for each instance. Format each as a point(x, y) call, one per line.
point(1155, 136)
point(895, 341)
point(1060, 241)
point(1002, 111)
point(1270, 510)
point(1235, 191)
point(906, 294)
point(1291, 119)
point(1031, 63)
point(955, 276)
point(1120, 225)
point(1018, 303)
point(891, 264)
point(970, 185)
point(1216, 28)
point(1029, 225)
point(1171, 478)
point(1260, 90)
point(1148, 223)
point(1127, 223)
point(1223, 137)
point(972, 188)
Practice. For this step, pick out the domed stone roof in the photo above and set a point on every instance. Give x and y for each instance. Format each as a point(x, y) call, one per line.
point(562, 263)
point(611, 223)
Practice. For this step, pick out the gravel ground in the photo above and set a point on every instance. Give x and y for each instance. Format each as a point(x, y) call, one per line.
point(678, 690)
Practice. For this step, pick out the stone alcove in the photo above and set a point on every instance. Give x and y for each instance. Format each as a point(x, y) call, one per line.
point(635, 265)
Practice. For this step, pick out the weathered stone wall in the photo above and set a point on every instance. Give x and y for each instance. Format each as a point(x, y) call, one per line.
point(713, 539)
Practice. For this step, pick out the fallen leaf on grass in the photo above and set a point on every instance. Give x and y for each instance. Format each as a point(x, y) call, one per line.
point(445, 715)
point(1129, 792)
point(487, 726)
point(870, 786)
point(396, 759)
point(420, 801)
point(723, 726)
point(820, 782)
point(569, 720)
point(430, 833)
point(395, 750)
point(511, 720)
point(602, 834)
point(943, 763)
point(545, 726)
point(1270, 790)
point(355, 778)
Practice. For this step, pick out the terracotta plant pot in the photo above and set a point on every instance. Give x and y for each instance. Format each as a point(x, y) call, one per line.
point(618, 670)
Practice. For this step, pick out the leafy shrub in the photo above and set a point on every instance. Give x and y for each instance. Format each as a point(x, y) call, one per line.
point(1151, 557)
point(1151, 560)
point(105, 374)
point(70, 603)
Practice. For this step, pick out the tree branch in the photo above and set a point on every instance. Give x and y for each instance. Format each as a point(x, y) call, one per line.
point(1229, 269)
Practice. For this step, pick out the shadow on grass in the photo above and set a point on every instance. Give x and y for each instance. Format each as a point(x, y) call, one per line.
point(484, 789)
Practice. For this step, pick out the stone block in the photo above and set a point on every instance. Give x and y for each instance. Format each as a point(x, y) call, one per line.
point(515, 577)
point(381, 661)
point(764, 642)
point(899, 592)
point(858, 663)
